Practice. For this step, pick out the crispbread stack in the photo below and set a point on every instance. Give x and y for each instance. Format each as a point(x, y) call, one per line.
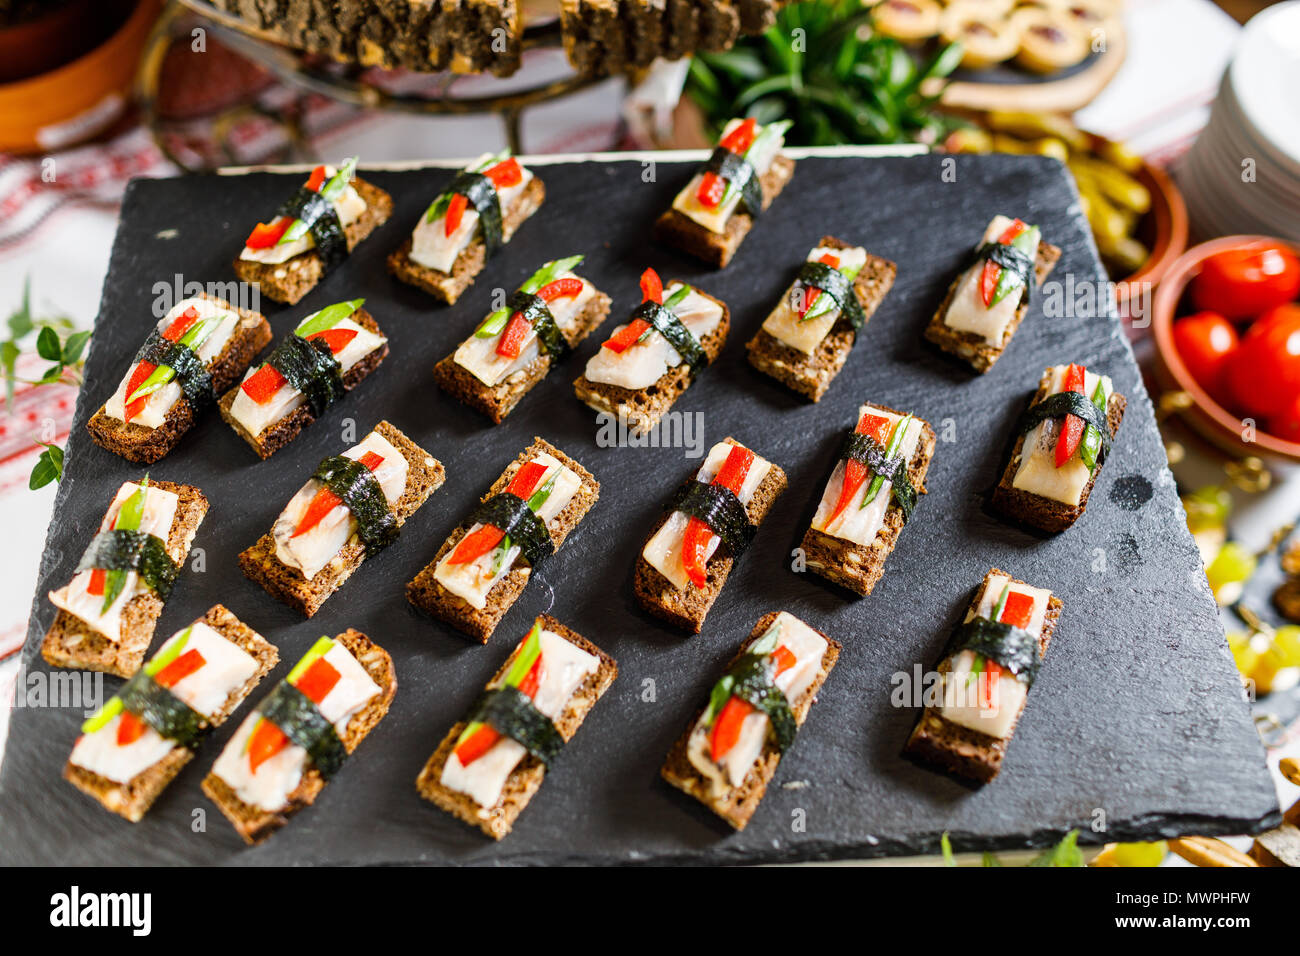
point(738, 804)
point(70, 643)
point(449, 286)
point(855, 566)
point(643, 407)
point(498, 401)
point(144, 445)
point(497, 820)
point(278, 434)
point(688, 607)
point(1036, 510)
point(970, 347)
point(811, 375)
point(255, 824)
point(134, 798)
point(424, 476)
point(961, 750)
point(717, 248)
point(292, 279)
point(427, 593)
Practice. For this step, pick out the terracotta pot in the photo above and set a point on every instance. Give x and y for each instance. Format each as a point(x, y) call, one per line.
point(79, 99)
point(1206, 416)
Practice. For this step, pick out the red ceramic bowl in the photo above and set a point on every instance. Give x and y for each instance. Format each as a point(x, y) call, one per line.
point(1206, 416)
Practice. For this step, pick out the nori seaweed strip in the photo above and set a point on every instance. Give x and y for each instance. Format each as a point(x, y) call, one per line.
point(357, 487)
point(511, 713)
point(322, 221)
point(834, 283)
point(719, 508)
point(1009, 257)
point(162, 710)
point(301, 721)
point(191, 371)
point(1068, 403)
point(681, 338)
point(1012, 647)
point(871, 453)
point(753, 682)
point(740, 172)
point(145, 554)
point(311, 368)
point(534, 308)
point(482, 195)
point(512, 515)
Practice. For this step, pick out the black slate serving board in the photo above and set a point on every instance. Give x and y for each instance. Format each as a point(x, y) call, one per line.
point(1137, 721)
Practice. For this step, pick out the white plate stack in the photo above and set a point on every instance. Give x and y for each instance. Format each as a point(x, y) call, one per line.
point(1242, 175)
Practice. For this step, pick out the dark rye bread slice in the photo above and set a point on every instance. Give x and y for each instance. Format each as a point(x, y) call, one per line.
point(497, 401)
point(1035, 510)
point(525, 780)
point(738, 804)
point(292, 279)
point(138, 443)
point(643, 407)
point(133, 798)
point(717, 249)
point(278, 434)
point(961, 750)
point(70, 642)
point(255, 824)
point(428, 594)
point(970, 347)
point(449, 286)
point(811, 375)
point(688, 608)
point(855, 566)
point(424, 476)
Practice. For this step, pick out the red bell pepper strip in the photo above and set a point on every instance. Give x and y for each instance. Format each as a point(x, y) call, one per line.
point(512, 337)
point(811, 293)
point(652, 290)
point(267, 739)
point(1067, 442)
point(262, 385)
point(712, 186)
point(265, 235)
point(855, 472)
point(473, 546)
point(505, 173)
point(316, 179)
point(326, 501)
point(177, 328)
point(455, 211)
point(989, 277)
point(726, 728)
point(698, 535)
point(486, 737)
point(1017, 611)
point(130, 728)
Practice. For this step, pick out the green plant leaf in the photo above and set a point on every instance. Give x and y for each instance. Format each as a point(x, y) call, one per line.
point(48, 468)
point(988, 859)
point(47, 345)
point(52, 374)
point(20, 321)
point(74, 346)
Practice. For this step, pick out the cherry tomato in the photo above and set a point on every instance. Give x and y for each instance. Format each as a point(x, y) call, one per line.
point(1263, 374)
point(1286, 424)
point(1204, 342)
point(1242, 283)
